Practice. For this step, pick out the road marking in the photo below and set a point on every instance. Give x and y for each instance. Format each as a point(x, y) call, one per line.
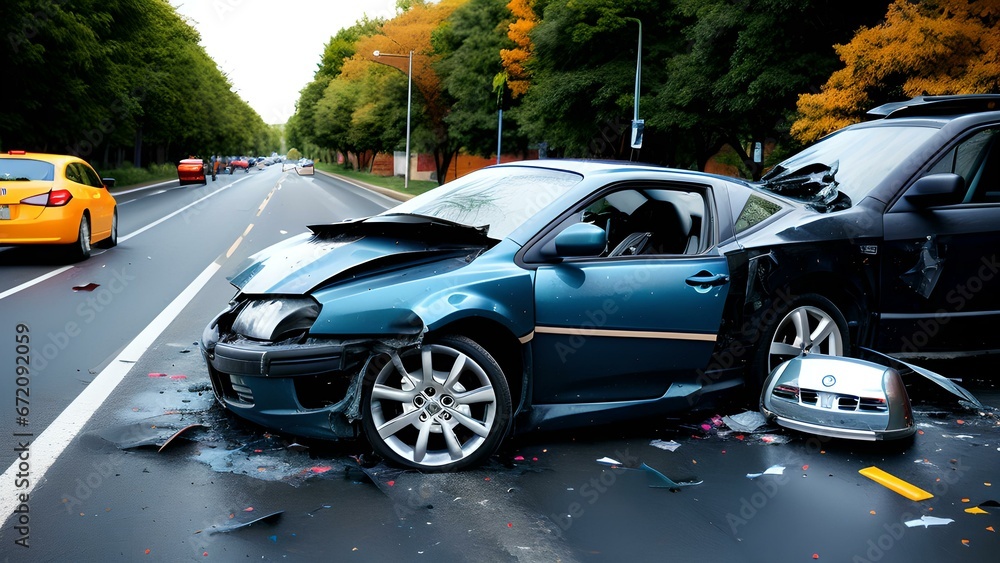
point(35, 281)
point(179, 211)
point(51, 443)
point(44, 277)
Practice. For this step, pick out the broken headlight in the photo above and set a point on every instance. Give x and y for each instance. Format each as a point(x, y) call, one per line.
point(276, 319)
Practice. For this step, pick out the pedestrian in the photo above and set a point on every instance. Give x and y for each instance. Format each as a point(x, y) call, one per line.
point(215, 166)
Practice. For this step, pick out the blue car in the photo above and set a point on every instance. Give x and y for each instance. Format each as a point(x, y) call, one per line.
point(556, 293)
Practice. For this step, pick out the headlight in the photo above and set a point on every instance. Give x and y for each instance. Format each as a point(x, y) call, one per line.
point(276, 319)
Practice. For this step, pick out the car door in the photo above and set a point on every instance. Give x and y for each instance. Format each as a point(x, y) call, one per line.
point(941, 277)
point(645, 313)
point(99, 199)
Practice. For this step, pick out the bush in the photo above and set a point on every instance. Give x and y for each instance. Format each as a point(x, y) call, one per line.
point(129, 175)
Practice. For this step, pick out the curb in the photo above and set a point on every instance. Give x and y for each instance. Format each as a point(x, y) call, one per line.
point(384, 191)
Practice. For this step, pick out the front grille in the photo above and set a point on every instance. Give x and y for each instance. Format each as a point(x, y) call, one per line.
point(841, 401)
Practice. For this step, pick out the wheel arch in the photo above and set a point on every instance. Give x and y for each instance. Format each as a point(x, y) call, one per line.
point(496, 339)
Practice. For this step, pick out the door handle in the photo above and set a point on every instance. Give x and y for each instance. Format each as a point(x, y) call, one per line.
point(707, 279)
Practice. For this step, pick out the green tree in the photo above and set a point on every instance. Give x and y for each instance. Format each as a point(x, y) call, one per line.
point(469, 43)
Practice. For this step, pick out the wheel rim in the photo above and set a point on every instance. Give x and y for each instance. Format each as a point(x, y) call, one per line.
point(805, 330)
point(433, 406)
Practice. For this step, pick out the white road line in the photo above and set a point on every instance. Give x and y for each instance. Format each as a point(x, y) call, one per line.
point(46, 447)
point(35, 281)
point(53, 273)
point(178, 212)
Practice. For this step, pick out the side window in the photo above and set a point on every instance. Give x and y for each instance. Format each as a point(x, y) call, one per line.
point(650, 221)
point(73, 173)
point(90, 177)
point(977, 160)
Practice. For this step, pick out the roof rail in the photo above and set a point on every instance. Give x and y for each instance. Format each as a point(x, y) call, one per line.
point(938, 105)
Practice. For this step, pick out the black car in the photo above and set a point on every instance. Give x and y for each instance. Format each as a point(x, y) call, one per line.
point(551, 293)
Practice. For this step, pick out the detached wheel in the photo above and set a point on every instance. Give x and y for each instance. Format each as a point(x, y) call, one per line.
point(112, 240)
point(442, 407)
point(80, 250)
point(812, 324)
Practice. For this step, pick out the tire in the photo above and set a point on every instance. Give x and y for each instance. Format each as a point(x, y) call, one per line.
point(80, 250)
point(449, 417)
point(112, 240)
point(811, 323)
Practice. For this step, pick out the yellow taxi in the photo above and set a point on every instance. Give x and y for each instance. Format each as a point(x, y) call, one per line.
point(55, 199)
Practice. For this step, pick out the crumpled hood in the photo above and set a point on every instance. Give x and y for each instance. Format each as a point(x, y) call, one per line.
point(302, 263)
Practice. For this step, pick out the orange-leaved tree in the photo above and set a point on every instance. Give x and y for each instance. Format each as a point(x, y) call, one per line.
point(518, 31)
point(411, 31)
point(924, 47)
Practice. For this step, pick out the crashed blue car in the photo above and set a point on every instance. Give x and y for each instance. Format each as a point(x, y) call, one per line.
point(555, 293)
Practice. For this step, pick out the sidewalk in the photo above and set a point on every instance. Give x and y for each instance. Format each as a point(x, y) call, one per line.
point(384, 191)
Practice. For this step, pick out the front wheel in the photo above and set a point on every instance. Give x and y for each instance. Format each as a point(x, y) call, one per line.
point(441, 407)
point(811, 324)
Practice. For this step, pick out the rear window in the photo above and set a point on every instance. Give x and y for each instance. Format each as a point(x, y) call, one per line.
point(24, 170)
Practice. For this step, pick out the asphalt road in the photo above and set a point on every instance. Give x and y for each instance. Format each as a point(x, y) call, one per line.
point(116, 371)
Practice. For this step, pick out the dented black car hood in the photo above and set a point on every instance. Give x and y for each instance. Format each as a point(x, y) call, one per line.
point(340, 251)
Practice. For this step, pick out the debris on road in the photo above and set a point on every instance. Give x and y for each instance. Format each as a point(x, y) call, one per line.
point(773, 470)
point(927, 521)
point(896, 484)
point(240, 525)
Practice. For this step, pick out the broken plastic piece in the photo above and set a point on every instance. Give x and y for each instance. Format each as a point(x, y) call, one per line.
point(976, 510)
point(89, 287)
point(658, 480)
point(942, 381)
point(773, 470)
point(927, 521)
point(745, 422)
point(670, 446)
point(896, 484)
point(266, 518)
point(609, 461)
point(178, 433)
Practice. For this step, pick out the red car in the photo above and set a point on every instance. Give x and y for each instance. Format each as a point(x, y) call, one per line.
point(192, 171)
point(239, 163)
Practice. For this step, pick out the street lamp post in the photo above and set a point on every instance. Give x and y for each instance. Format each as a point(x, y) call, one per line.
point(637, 124)
point(409, 101)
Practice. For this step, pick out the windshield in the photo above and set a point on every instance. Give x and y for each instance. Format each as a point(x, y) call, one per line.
point(23, 170)
point(501, 199)
point(846, 166)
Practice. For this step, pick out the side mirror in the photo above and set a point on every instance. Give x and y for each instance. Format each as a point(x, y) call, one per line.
point(936, 189)
point(581, 239)
point(108, 182)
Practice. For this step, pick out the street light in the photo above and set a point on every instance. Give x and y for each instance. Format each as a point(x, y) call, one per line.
point(637, 124)
point(409, 99)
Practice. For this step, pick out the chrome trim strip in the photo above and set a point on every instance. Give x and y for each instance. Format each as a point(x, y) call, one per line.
point(627, 333)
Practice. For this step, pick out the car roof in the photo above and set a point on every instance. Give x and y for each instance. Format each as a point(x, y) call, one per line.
point(56, 159)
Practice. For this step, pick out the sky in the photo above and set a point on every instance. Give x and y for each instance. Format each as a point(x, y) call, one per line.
point(270, 49)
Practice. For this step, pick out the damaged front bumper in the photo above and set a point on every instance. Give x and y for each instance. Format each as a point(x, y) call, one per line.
point(308, 387)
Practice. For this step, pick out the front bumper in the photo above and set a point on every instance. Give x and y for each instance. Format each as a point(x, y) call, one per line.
point(838, 397)
point(309, 389)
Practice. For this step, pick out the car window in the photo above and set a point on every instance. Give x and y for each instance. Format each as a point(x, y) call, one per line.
point(90, 177)
point(500, 198)
point(21, 170)
point(856, 160)
point(649, 221)
point(977, 161)
point(73, 173)
point(755, 211)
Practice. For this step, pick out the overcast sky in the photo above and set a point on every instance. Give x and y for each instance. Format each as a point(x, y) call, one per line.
point(269, 49)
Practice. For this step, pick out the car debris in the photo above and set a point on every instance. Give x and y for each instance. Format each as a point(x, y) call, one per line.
point(895, 484)
point(267, 518)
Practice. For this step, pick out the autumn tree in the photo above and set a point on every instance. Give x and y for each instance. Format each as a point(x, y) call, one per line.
point(925, 47)
point(515, 58)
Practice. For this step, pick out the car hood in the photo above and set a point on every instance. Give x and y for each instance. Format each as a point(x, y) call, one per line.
point(347, 250)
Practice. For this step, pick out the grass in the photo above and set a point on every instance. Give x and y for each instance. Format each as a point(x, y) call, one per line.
point(394, 183)
point(129, 175)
